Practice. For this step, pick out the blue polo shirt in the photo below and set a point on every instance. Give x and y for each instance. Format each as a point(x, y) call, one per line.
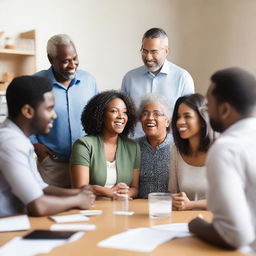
point(172, 82)
point(69, 104)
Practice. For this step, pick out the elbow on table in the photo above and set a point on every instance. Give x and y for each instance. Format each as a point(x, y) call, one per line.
point(242, 239)
point(37, 208)
point(239, 238)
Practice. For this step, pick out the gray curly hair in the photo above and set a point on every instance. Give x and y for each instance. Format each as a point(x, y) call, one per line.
point(60, 39)
point(157, 98)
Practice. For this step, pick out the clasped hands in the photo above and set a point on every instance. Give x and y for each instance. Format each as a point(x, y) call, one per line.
point(120, 188)
point(180, 201)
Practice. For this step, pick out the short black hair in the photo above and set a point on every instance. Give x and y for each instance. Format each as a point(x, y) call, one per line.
point(26, 90)
point(197, 102)
point(93, 114)
point(237, 87)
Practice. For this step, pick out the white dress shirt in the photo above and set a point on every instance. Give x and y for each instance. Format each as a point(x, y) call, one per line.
point(20, 182)
point(231, 173)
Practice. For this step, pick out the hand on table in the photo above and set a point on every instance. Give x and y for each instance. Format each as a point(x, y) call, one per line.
point(181, 202)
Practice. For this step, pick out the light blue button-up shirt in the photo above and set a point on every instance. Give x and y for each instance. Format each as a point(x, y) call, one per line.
point(69, 104)
point(171, 82)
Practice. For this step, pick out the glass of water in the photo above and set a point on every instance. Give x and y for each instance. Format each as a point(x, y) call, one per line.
point(120, 204)
point(160, 205)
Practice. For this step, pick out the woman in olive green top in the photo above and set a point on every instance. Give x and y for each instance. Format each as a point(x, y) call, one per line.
point(105, 158)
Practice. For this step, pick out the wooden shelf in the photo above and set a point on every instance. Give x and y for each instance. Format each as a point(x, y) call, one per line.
point(18, 52)
point(22, 59)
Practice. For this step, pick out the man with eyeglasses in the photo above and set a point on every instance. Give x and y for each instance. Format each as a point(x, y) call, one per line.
point(72, 88)
point(157, 75)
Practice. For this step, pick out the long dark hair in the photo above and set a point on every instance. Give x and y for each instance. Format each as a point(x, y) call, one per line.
point(198, 103)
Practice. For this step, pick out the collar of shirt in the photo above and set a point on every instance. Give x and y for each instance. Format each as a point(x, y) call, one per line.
point(164, 70)
point(52, 78)
point(167, 141)
point(245, 123)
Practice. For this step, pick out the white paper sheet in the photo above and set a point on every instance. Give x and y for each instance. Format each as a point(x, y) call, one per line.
point(14, 223)
point(73, 227)
point(69, 218)
point(31, 247)
point(125, 213)
point(145, 239)
point(91, 212)
point(180, 229)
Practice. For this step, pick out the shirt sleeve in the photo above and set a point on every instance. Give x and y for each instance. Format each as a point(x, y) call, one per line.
point(226, 196)
point(123, 86)
point(188, 84)
point(81, 153)
point(173, 179)
point(18, 173)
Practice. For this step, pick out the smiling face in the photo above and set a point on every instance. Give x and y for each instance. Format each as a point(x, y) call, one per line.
point(153, 53)
point(153, 121)
point(44, 115)
point(188, 122)
point(115, 118)
point(65, 63)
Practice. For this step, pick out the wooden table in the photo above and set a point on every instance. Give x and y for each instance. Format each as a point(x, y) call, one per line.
point(108, 224)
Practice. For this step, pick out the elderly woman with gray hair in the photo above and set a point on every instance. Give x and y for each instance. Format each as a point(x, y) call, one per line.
point(155, 114)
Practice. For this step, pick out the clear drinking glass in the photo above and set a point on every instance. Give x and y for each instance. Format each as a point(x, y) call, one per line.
point(160, 205)
point(120, 203)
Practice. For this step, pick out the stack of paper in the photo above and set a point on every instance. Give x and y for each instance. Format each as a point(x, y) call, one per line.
point(15, 223)
point(69, 218)
point(145, 239)
point(31, 247)
point(91, 212)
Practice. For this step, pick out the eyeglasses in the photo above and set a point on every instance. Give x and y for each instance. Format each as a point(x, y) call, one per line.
point(155, 114)
point(152, 53)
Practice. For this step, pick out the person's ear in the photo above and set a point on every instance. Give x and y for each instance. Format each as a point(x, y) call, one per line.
point(168, 122)
point(167, 50)
point(27, 111)
point(225, 111)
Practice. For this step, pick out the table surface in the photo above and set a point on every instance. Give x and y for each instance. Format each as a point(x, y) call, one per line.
point(108, 224)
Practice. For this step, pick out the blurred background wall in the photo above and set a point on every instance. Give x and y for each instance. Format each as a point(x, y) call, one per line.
point(204, 35)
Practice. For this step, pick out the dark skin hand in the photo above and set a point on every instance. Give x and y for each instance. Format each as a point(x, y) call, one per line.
point(42, 152)
point(206, 232)
point(55, 200)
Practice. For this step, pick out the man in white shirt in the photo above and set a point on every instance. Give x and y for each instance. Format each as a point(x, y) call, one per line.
point(30, 110)
point(231, 163)
point(157, 75)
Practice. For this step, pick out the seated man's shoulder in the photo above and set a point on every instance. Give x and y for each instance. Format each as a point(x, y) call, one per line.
point(224, 144)
point(13, 140)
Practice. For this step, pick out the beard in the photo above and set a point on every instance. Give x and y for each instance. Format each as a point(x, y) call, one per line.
point(216, 125)
point(156, 67)
point(39, 127)
point(69, 77)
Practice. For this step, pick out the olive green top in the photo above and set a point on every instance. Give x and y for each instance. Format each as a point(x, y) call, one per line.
point(89, 151)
